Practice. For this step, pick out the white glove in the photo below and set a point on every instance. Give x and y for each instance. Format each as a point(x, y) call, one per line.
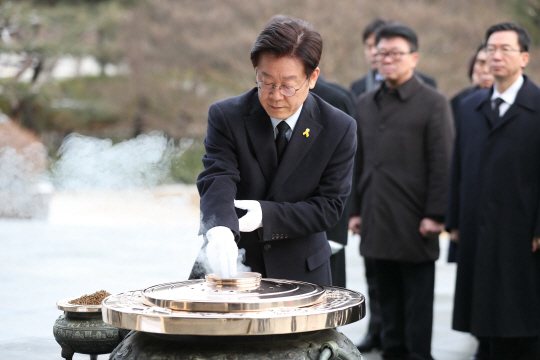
point(222, 251)
point(336, 247)
point(253, 219)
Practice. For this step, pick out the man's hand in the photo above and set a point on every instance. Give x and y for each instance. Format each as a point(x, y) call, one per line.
point(454, 235)
point(222, 251)
point(253, 219)
point(536, 243)
point(355, 224)
point(430, 228)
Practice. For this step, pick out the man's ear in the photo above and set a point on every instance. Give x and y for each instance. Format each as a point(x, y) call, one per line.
point(525, 57)
point(414, 59)
point(313, 78)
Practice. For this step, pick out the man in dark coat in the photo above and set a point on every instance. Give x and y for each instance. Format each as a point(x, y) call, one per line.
point(495, 204)
point(370, 81)
point(406, 131)
point(283, 155)
point(342, 99)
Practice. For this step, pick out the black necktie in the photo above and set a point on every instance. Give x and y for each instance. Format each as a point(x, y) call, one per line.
point(496, 111)
point(281, 139)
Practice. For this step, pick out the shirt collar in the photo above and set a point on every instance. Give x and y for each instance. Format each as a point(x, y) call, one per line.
point(291, 121)
point(404, 90)
point(509, 96)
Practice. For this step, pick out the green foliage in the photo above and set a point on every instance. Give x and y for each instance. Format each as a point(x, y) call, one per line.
point(187, 167)
point(527, 14)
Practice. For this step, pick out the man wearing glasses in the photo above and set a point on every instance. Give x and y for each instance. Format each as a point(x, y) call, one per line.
point(278, 165)
point(494, 204)
point(406, 133)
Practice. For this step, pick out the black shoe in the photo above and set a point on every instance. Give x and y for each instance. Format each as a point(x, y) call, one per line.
point(370, 343)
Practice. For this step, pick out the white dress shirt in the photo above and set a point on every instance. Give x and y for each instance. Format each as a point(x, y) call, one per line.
point(291, 121)
point(509, 96)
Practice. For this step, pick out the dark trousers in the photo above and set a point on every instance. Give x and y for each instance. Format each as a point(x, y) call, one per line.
point(496, 348)
point(406, 300)
point(374, 326)
point(337, 264)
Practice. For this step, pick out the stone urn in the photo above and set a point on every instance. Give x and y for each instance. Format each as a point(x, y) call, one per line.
point(81, 330)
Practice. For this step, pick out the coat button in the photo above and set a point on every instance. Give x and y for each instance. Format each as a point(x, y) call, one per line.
point(286, 236)
point(267, 247)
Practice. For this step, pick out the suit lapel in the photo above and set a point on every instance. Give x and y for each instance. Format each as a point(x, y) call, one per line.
point(509, 115)
point(299, 144)
point(488, 113)
point(523, 100)
point(261, 135)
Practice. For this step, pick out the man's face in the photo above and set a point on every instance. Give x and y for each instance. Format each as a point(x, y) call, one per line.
point(398, 64)
point(503, 55)
point(370, 50)
point(283, 71)
point(481, 75)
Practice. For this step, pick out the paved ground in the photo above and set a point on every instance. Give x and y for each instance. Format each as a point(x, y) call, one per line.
point(125, 241)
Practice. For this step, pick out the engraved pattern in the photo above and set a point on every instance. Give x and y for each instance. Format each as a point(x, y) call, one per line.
point(143, 346)
point(87, 336)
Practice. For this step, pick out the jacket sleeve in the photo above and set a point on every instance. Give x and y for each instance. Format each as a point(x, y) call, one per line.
point(438, 140)
point(324, 208)
point(356, 199)
point(217, 182)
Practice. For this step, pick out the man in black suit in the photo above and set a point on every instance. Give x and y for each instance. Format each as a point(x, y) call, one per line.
point(341, 98)
point(284, 156)
point(494, 204)
point(372, 79)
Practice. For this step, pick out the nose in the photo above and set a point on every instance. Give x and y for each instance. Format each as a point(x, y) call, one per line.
point(497, 54)
point(276, 93)
point(387, 59)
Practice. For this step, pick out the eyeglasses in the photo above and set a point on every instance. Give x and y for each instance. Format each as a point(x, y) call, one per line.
point(505, 50)
point(394, 55)
point(283, 89)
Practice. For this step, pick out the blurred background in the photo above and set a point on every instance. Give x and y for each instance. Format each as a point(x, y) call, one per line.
point(103, 109)
point(119, 68)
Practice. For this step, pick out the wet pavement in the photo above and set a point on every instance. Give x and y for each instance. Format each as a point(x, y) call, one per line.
point(118, 241)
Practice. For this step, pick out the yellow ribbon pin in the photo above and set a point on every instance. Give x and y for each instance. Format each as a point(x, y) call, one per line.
point(306, 133)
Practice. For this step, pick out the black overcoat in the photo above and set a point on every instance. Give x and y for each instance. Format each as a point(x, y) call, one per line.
point(404, 165)
point(494, 202)
point(300, 199)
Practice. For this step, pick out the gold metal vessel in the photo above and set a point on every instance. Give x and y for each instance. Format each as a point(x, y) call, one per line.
point(247, 305)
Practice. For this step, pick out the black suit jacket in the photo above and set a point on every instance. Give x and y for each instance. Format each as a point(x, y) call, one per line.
point(300, 198)
point(341, 98)
point(336, 95)
point(358, 87)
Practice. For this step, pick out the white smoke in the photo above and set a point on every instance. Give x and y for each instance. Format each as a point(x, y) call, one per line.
point(91, 163)
point(240, 262)
point(23, 187)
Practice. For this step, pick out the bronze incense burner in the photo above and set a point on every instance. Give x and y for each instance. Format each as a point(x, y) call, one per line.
point(81, 330)
point(242, 318)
